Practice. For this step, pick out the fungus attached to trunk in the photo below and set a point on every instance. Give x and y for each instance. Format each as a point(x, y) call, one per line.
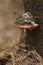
point(25, 21)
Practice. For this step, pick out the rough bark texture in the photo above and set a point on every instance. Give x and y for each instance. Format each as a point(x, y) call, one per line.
point(35, 37)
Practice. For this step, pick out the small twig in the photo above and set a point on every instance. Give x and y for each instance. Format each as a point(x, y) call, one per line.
point(12, 58)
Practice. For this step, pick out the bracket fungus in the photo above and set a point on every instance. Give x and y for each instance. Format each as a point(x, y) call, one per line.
point(25, 21)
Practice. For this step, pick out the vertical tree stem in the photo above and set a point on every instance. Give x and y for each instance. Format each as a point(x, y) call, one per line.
point(23, 36)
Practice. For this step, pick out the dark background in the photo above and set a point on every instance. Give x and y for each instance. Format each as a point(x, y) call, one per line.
point(35, 37)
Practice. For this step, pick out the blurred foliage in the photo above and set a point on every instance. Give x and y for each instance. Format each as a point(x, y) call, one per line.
point(2, 41)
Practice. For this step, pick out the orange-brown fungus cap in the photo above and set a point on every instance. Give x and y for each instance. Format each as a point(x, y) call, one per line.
point(26, 21)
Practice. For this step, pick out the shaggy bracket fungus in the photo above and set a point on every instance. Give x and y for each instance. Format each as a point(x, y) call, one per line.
point(25, 21)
